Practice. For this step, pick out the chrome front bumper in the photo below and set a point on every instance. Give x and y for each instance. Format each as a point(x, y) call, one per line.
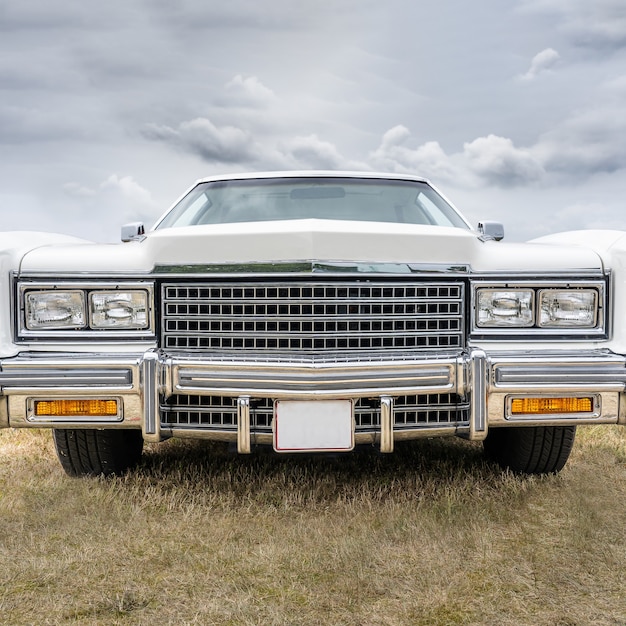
point(140, 383)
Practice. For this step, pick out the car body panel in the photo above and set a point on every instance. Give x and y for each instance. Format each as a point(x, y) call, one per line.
point(301, 240)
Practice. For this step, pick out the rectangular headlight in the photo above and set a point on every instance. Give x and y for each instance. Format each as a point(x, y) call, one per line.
point(55, 310)
point(568, 308)
point(504, 308)
point(118, 309)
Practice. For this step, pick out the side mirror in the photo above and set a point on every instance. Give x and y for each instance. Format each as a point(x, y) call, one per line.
point(133, 232)
point(491, 231)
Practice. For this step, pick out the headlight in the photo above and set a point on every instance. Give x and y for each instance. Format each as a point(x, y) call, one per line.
point(76, 310)
point(503, 308)
point(547, 309)
point(567, 308)
point(55, 309)
point(118, 309)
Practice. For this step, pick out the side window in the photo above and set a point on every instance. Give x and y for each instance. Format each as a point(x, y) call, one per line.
point(195, 211)
point(430, 209)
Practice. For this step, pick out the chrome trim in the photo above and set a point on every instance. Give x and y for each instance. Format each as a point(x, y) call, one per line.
point(486, 380)
point(219, 413)
point(34, 372)
point(24, 284)
point(560, 371)
point(359, 438)
point(512, 276)
point(537, 284)
point(296, 380)
point(17, 378)
point(151, 422)
point(478, 400)
point(509, 376)
point(312, 317)
point(386, 424)
point(305, 267)
point(491, 231)
point(243, 425)
point(135, 231)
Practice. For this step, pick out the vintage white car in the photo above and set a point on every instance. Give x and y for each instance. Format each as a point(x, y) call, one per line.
point(312, 311)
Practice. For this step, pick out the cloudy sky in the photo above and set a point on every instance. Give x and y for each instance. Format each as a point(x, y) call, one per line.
point(111, 110)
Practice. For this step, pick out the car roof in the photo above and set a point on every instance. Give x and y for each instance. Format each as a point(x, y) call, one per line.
point(314, 174)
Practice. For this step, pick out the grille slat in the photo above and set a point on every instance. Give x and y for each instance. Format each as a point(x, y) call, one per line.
point(220, 413)
point(313, 316)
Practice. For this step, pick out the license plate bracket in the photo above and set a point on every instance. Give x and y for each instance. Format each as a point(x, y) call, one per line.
point(313, 425)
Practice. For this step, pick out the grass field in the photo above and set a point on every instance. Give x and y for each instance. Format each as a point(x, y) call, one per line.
point(430, 535)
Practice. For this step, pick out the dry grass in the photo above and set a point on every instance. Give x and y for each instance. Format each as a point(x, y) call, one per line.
point(431, 535)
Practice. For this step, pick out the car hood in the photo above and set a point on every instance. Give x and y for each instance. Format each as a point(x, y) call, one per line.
point(306, 240)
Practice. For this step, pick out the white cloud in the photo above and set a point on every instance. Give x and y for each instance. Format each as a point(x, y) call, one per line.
point(224, 144)
point(541, 62)
point(496, 160)
point(586, 143)
point(486, 160)
point(395, 137)
point(429, 159)
point(583, 144)
point(310, 151)
point(231, 145)
point(247, 92)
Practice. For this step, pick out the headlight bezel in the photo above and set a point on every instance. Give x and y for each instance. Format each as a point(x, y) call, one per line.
point(28, 290)
point(541, 289)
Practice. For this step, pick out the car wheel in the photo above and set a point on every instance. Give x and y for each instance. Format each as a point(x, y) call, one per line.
point(531, 449)
point(88, 452)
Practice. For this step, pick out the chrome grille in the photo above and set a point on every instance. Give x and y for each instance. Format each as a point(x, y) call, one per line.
point(312, 317)
point(214, 413)
point(442, 409)
point(220, 413)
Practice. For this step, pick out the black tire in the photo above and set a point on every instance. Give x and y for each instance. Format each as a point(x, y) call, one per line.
point(530, 449)
point(87, 452)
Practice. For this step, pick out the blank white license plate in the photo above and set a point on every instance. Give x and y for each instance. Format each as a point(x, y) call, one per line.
point(313, 426)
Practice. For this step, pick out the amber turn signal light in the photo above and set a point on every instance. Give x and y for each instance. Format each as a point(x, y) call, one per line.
point(543, 406)
point(76, 408)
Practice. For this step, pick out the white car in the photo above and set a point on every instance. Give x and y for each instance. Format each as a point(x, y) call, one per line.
point(313, 312)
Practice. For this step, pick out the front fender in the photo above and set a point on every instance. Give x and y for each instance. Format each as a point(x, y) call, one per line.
point(13, 246)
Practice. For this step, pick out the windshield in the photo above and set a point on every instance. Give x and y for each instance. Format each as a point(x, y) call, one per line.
point(329, 198)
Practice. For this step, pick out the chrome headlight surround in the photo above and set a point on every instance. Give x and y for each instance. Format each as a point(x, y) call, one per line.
point(560, 309)
point(79, 310)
